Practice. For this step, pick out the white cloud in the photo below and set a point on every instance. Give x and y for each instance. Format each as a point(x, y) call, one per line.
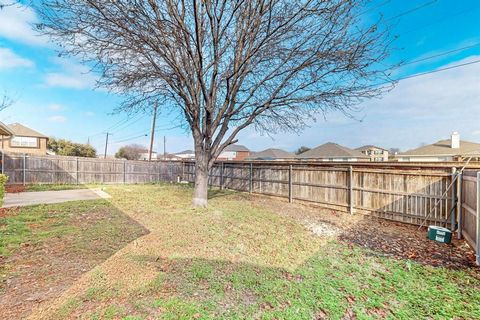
point(89, 114)
point(55, 107)
point(16, 23)
point(10, 60)
point(57, 118)
point(72, 75)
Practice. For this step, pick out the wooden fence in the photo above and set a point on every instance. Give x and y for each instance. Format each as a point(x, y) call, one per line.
point(469, 217)
point(32, 169)
point(396, 194)
point(422, 194)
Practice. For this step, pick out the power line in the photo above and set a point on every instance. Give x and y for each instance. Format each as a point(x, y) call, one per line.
point(375, 7)
point(441, 19)
point(439, 70)
point(129, 124)
point(427, 72)
point(426, 4)
point(131, 138)
point(119, 125)
point(436, 55)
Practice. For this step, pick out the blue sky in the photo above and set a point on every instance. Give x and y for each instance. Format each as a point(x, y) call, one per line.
point(55, 95)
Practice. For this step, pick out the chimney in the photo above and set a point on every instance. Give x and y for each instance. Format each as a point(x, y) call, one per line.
point(455, 140)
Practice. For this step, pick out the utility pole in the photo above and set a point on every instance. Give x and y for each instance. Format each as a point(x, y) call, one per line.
point(152, 134)
point(106, 144)
point(164, 148)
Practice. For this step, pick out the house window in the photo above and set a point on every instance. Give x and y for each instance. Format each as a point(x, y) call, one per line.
point(28, 142)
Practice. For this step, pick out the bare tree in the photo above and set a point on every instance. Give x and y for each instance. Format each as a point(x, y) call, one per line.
point(6, 4)
point(225, 65)
point(5, 101)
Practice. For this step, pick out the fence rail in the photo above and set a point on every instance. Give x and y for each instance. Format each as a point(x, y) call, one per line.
point(411, 194)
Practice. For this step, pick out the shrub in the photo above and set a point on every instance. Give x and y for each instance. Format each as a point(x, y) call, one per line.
point(3, 181)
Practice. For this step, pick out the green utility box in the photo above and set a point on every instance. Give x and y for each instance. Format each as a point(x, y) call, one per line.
point(439, 234)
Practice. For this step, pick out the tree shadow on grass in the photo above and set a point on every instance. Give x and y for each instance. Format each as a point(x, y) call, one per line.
point(57, 245)
point(218, 193)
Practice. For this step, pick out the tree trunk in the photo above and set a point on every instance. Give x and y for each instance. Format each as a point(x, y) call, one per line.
point(200, 191)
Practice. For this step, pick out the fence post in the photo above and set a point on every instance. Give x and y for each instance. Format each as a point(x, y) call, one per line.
point(459, 205)
point(290, 183)
point(477, 243)
point(350, 190)
point(250, 184)
point(124, 171)
point(183, 171)
point(221, 175)
point(76, 170)
point(24, 168)
point(454, 194)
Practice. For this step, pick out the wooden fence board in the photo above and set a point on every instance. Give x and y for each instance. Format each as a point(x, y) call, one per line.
point(469, 209)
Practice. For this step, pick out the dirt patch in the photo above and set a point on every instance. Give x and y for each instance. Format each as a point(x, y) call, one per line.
point(388, 238)
point(42, 270)
point(15, 188)
point(8, 212)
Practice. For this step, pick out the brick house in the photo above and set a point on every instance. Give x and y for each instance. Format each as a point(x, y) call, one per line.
point(22, 139)
point(234, 152)
point(377, 154)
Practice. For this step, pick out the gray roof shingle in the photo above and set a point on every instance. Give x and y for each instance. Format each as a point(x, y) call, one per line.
point(23, 131)
point(443, 148)
point(236, 147)
point(272, 153)
point(332, 150)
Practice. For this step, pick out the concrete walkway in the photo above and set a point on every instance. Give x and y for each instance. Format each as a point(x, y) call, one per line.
point(45, 197)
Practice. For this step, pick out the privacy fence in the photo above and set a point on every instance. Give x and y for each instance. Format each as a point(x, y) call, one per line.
point(417, 194)
point(33, 169)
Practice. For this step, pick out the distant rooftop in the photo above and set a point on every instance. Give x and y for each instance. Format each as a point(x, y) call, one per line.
point(236, 147)
point(369, 146)
point(186, 152)
point(272, 153)
point(332, 150)
point(23, 131)
point(444, 148)
point(5, 130)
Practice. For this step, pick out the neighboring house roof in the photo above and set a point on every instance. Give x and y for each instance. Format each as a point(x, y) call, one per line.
point(332, 150)
point(236, 148)
point(5, 130)
point(369, 146)
point(170, 156)
point(443, 148)
point(186, 152)
point(22, 131)
point(272, 153)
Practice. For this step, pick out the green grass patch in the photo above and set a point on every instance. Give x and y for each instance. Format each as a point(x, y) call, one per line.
point(30, 225)
point(268, 267)
point(238, 260)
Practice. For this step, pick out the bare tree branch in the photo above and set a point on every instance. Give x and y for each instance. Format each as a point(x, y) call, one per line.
point(226, 65)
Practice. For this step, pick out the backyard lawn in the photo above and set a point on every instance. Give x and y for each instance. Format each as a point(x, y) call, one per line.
point(146, 254)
